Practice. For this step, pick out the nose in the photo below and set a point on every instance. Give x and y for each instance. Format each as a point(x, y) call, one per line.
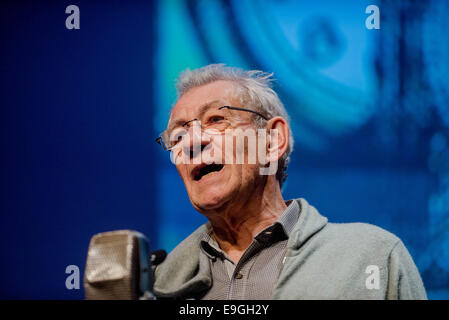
point(195, 141)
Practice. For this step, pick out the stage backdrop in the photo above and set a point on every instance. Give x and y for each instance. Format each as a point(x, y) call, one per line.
point(81, 108)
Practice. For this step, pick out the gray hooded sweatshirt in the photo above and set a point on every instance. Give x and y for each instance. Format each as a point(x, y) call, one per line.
point(323, 261)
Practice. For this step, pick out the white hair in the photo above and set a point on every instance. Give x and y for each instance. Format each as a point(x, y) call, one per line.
point(254, 89)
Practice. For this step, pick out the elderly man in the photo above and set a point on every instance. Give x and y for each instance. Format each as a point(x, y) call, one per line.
point(256, 245)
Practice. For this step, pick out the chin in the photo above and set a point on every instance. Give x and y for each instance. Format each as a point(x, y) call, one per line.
point(207, 205)
point(206, 201)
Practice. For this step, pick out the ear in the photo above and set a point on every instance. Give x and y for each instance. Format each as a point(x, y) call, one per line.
point(278, 138)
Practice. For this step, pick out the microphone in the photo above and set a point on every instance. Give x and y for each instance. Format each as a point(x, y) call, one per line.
point(119, 266)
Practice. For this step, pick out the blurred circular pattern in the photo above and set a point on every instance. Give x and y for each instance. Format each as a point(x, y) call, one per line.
point(322, 42)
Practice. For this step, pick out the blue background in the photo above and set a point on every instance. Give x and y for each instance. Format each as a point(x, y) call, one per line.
point(80, 110)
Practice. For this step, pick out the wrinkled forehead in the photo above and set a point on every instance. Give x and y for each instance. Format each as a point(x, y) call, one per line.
point(199, 100)
point(196, 111)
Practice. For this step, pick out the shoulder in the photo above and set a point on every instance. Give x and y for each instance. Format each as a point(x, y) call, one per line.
point(360, 237)
point(181, 272)
point(186, 253)
point(191, 242)
point(316, 232)
point(361, 232)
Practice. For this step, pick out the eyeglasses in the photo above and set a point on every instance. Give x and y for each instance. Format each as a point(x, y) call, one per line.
point(214, 122)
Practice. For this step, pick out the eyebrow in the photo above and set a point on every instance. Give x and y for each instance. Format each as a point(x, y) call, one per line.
point(203, 109)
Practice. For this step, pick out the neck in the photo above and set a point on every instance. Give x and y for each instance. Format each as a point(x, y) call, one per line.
point(235, 226)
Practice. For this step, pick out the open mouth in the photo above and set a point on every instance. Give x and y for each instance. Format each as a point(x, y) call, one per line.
point(202, 170)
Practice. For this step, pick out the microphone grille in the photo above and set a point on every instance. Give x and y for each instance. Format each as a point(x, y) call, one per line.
point(112, 263)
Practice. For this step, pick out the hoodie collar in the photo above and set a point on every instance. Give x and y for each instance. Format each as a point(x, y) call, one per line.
point(309, 223)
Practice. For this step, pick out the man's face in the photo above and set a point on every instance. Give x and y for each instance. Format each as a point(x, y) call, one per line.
point(212, 187)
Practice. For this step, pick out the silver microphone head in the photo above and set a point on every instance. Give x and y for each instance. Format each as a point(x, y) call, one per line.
point(118, 267)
